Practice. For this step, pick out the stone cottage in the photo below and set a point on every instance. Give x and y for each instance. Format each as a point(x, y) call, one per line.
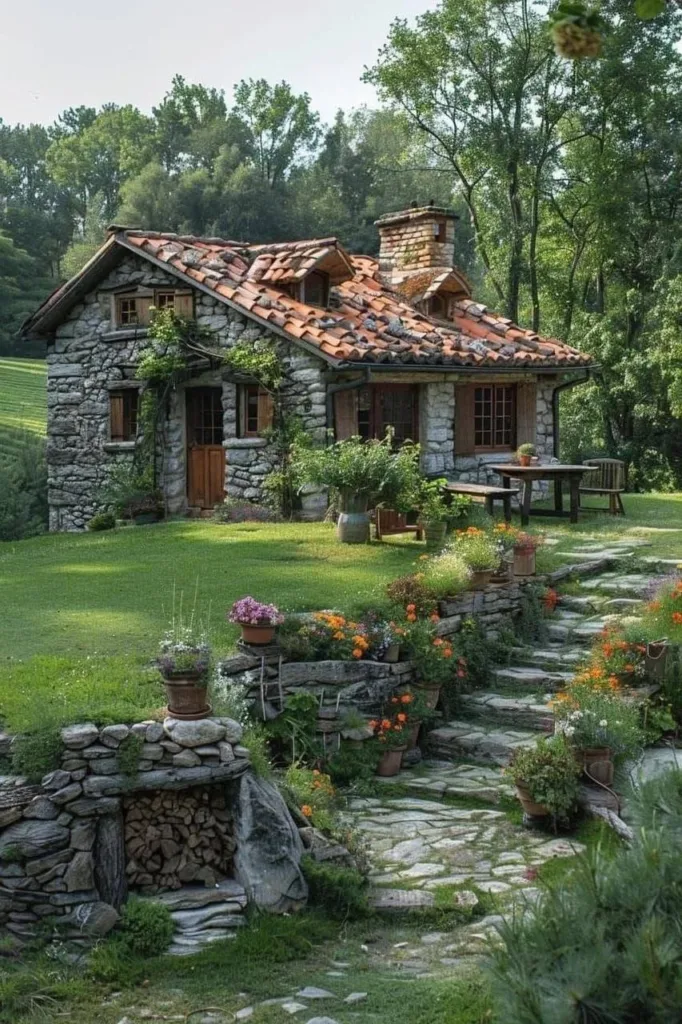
point(366, 344)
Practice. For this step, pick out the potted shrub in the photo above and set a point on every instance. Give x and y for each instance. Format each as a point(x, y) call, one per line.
point(433, 511)
point(384, 637)
point(446, 575)
point(525, 548)
point(415, 705)
point(546, 777)
point(603, 727)
point(480, 553)
point(525, 453)
point(183, 660)
point(434, 660)
point(505, 536)
point(258, 621)
point(364, 474)
point(392, 736)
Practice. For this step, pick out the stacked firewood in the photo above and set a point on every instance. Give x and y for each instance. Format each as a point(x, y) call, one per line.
point(175, 838)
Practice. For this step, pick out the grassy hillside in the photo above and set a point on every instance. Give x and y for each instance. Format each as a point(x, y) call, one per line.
point(23, 401)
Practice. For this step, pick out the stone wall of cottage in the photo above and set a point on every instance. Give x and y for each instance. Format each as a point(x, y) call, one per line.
point(89, 357)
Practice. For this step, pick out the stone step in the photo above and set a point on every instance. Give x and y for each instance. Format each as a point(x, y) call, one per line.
point(481, 744)
point(531, 677)
point(578, 603)
point(440, 779)
point(630, 585)
point(559, 658)
point(511, 712)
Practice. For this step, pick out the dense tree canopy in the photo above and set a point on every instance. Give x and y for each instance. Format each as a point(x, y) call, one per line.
point(566, 175)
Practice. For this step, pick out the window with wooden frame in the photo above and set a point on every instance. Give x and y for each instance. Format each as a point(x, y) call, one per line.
point(439, 230)
point(179, 302)
point(123, 407)
point(256, 410)
point(495, 416)
point(384, 406)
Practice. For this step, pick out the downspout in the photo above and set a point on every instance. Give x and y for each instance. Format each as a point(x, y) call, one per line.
point(348, 385)
point(555, 405)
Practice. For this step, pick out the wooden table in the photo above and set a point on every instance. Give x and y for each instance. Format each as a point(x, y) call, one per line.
point(551, 471)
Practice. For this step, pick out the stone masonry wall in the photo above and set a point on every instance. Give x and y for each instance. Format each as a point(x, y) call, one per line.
point(89, 356)
point(62, 842)
point(437, 428)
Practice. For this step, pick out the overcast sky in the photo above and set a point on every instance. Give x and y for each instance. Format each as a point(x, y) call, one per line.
point(63, 53)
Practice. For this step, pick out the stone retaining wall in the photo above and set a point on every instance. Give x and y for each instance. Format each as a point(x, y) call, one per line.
point(62, 847)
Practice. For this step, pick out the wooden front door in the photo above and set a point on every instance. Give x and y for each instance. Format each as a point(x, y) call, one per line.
point(205, 452)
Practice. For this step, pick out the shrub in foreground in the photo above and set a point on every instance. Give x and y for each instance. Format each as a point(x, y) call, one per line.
point(607, 944)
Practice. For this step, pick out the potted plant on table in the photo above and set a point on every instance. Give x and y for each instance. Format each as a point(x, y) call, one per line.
point(391, 733)
point(258, 621)
point(480, 552)
point(525, 454)
point(364, 474)
point(525, 549)
point(183, 660)
point(546, 777)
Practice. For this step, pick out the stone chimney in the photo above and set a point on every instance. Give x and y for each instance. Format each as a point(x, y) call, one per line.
point(421, 238)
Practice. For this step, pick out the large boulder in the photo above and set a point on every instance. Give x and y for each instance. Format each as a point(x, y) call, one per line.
point(194, 733)
point(269, 849)
point(33, 838)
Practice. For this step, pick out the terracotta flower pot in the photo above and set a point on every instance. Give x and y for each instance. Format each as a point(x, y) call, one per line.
point(480, 578)
point(186, 696)
point(505, 572)
point(524, 561)
point(524, 460)
point(529, 805)
point(257, 636)
point(434, 533)
point(414, 735)
point(431, 694)
point(390, 762)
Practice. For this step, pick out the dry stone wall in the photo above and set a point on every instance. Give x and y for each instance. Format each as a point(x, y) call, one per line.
point(65, 851)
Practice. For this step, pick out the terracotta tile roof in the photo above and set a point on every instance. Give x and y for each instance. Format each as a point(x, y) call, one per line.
point(366, 322)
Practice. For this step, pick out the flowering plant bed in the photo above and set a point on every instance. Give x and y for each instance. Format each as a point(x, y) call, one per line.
point(596, 718)
point(614, 662)
point(546, 776)
point(477, 548)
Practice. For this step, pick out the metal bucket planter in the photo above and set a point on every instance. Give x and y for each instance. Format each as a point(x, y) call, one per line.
point(597, 763)
point(352, 526)
point(524, 561)
point(656, 659)
point(392, 653)
point(186, 696)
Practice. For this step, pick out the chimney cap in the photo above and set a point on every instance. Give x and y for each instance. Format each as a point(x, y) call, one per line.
point(415, 213)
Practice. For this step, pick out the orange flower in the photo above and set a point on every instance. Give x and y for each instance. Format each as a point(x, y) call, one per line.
point(338, 635)
point(357, 652)
point(411, 617)
point(307, 811)
point(614, 683)
point(401, 717)
point(406, 698)
point(654, 606)
point(447, 652)
point(411, 608)
point(385, 723)
point(435, 617)
point(373, 723)
point(677, 618)
point(438, 642)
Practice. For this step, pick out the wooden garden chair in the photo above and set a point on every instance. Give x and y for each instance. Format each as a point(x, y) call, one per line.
point(387, 521)
point(606, 478)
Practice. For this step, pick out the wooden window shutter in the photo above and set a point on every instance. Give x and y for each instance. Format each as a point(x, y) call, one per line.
point(266, 410)
point(464, 419)
point(143, 304)
point(526, 413)
point(183, 305)
point(116, 417)
point(345, 414)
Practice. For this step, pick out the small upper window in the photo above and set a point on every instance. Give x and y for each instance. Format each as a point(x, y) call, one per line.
point(315, 289)
point(255, 410)
point(128, 314)
point(439, 230)
point(123, 414)
point(164, 300)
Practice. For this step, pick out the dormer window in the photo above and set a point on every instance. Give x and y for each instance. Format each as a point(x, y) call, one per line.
point(439, 230)
point(127, 311)
point(315, 289)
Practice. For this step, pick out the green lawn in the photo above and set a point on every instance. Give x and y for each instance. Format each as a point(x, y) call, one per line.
point(82, 613)
point(23, 401)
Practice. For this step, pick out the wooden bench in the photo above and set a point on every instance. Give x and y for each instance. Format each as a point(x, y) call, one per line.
point(388, 521)
point(606, 478)
point(489, 495)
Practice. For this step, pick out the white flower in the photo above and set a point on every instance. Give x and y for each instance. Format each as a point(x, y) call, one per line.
point(603, 723)
point(569, 730)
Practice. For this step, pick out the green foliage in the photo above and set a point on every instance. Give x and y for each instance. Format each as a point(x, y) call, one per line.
point(526, 449)
point(477, 549)
point(550, 771)
point(145, 929)
point(23, 489)
point(36, 753)
point(365, 473)
point(353, 767)
point(282, 485)
point(312, 793)
point(128, 755)
point(258, 361)
point(625, 906)
point(595, 717)
point(293, 731)
point(530, 624)
point(478, 652)
point(340, 891)
point(255, 739)
point(102, 521)
point(446, 575)
point(430, 502)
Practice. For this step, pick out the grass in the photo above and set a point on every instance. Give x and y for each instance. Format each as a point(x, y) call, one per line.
point(23, 402)
point(270, 960)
